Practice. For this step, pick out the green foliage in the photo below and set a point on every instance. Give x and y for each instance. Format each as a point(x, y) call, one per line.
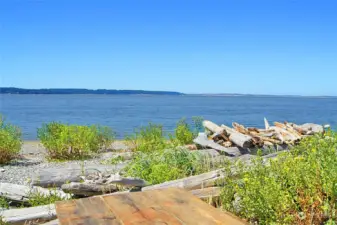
point(160, 166)
point(298, 187)
point(149, 139)
point(64, 141)
point(38, 199)
point(10, 141)
point(184, 134)
point(4, 203)
point(158, 159)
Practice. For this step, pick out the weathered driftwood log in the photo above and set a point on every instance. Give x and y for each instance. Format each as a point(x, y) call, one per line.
point(189, 183)
point(55, 177)
point(114, 179)
point(240, 128)
point(241, 140)
point(205, 142)
point(21, 193)
point(212, 127)
point(85, 189)
point(288, 130)
point(34, 215)
point(315, 128)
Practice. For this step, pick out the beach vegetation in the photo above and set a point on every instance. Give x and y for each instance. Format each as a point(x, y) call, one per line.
point(148, 139)
point(40, 199)
point(10, 141)
point(165, 165)
point(64, 142)
point(296, 187)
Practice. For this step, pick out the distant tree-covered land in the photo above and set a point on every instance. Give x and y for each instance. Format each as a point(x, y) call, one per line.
point(11, 90)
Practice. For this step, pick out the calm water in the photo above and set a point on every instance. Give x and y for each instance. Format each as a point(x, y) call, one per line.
point(124, 113)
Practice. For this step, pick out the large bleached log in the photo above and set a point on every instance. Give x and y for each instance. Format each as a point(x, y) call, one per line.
point(55, 177)
point(241, 140)
point(288, 130)
point(205, 142)
point(32, 215)
point(189, 183)
point(21, 193)
point(85, 189)
point(212, 126)
point(315, 128)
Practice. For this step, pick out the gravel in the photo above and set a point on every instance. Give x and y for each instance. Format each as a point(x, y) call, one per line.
point(32, 159)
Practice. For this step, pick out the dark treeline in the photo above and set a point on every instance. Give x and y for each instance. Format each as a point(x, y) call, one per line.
point(10, 90)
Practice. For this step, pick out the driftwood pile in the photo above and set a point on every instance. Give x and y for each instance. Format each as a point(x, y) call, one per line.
point(237, 139)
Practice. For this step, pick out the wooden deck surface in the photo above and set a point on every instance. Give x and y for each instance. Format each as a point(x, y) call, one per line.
point(171, 206)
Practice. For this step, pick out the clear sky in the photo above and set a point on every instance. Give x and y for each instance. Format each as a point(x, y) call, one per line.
point(228, 46)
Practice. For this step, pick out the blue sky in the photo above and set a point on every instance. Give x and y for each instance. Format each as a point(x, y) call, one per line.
point(228, 46)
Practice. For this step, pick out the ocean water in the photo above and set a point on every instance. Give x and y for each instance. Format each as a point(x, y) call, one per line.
point(125, 113)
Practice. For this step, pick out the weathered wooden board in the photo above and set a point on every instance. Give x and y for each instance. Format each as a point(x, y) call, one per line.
point(171, 206)
point(26, 215)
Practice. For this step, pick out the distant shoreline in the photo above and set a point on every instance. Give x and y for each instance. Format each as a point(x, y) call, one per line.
point(74, 91)
point(71, 91)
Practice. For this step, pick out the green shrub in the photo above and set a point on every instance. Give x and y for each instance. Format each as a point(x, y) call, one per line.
point(10, 141)
point(149, 139)
point(298, 187)
point(184, 134)
point(160, 166)
point(64, 141)
point(39, 199)
point(3, 203)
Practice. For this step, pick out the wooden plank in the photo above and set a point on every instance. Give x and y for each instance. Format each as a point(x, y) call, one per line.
point(171, 206)
point(53, 222)
point(137, 208)
point(206, 193)
point(85, 211)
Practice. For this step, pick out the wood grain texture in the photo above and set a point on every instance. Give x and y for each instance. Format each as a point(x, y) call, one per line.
point(172, 206)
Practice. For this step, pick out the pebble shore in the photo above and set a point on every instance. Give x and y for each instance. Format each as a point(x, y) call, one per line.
point(32, 159)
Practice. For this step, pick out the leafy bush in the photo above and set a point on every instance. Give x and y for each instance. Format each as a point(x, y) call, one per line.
point(64, 141)
point(10, 141)
point(3, 203)
point(184, 134)
point(148, 139)
point(298, 187)
point(160, 166)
